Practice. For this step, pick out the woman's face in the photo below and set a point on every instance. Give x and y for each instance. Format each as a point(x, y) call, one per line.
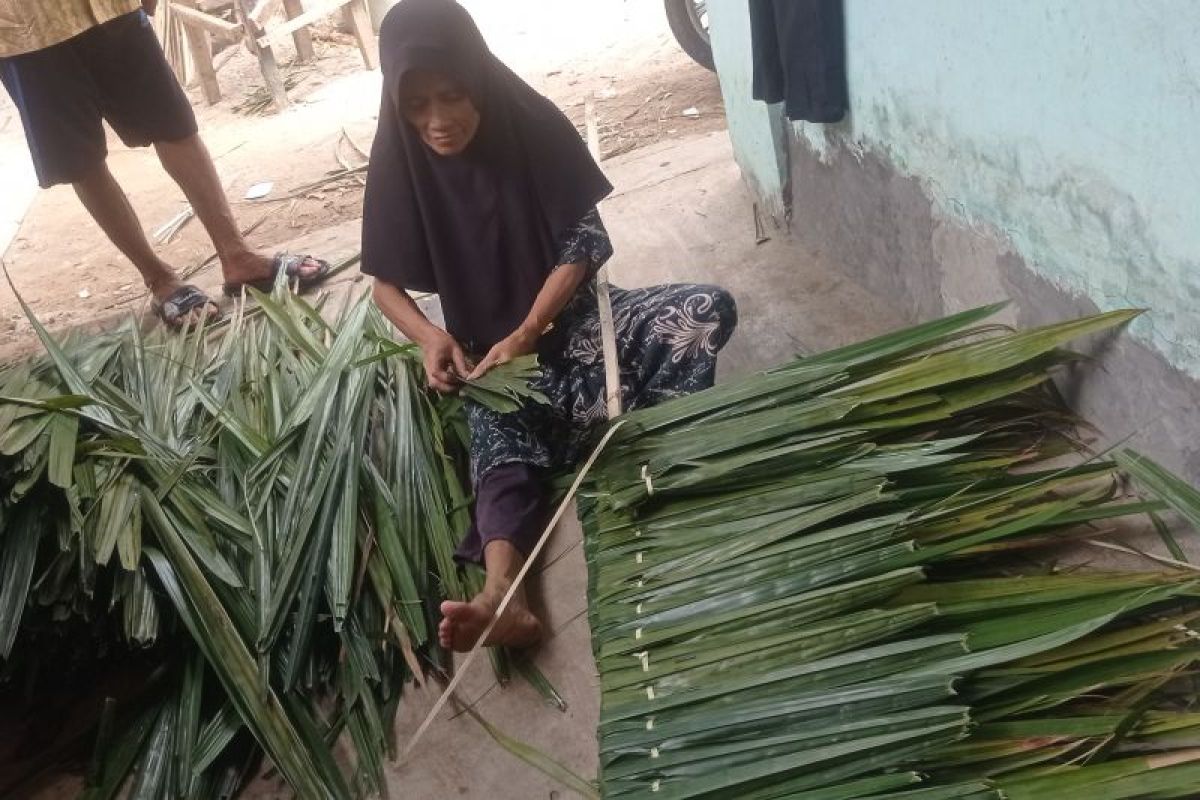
point(440, 109)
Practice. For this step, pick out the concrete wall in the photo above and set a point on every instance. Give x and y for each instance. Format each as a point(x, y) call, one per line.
point(1043, 150)
point(759, 131)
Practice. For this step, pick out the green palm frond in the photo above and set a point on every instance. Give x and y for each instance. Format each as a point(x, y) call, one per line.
point(269, 508)
point(799, 586)
point(812, 582)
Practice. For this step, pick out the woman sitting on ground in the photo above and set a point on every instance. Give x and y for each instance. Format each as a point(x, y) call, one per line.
point(482, 191)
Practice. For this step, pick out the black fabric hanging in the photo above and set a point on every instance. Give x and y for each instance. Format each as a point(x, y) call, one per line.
point(799, 49)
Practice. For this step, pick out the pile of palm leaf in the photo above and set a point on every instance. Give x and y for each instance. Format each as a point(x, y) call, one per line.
point(832, 580)
point(264, 515)
point(843, 578)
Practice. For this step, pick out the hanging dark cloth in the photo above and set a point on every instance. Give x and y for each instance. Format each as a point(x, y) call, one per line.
point(480, 229)
point(799, 49)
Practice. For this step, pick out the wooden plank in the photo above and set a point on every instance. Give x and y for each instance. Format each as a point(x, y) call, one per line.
point(266, 58)
point(201, 48)
point(263, 9)
point(302, 38)
point(317, 12)
point(608, 327)
point(191, 17)
point(359, 20)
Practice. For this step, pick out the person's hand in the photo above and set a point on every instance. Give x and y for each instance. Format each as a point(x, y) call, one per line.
point(516, 344)
point(150, 6)
point(445, 362)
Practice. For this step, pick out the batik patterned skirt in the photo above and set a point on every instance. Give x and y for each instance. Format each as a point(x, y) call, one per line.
point(668, 338)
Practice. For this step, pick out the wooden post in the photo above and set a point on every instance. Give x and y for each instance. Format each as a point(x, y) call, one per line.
point(359, 21)
point(273, 78)
point(302, 37)
point(266, 56)
point(201, 47)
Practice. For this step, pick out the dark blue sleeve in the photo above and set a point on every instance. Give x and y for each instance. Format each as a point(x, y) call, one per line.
point(586, 242)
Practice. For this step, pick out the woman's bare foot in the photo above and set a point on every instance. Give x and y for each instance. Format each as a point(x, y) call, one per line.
point(463, 623)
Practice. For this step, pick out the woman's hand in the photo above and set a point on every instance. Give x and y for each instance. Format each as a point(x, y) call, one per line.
point(556, 292)
point(518, 343)
point(445, 362)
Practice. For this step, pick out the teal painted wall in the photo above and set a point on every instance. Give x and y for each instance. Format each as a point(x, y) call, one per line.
point(758, 130)
point(1072, 128)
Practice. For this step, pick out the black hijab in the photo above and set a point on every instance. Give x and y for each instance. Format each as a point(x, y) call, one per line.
point(482, 228)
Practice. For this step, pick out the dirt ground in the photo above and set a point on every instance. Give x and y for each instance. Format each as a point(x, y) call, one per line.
point(620, 53)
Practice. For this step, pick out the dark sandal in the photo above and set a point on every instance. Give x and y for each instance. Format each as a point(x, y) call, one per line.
point(174, 310)
point(290, 265)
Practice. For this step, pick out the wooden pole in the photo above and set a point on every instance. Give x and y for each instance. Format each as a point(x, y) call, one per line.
point(301, 36)
point(266, 56)
point(608, 328)
point(359, 21)
point(200, 46)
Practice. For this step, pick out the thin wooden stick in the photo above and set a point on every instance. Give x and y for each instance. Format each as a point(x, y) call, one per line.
point(508, 596)
point(608, 328)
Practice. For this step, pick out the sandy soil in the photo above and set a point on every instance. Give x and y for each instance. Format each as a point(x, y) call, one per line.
point(618, 52)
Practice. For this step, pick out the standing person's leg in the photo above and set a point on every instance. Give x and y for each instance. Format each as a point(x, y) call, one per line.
point(189, 164)
point(60, 111)
point(103, 198)
point(144, 103)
